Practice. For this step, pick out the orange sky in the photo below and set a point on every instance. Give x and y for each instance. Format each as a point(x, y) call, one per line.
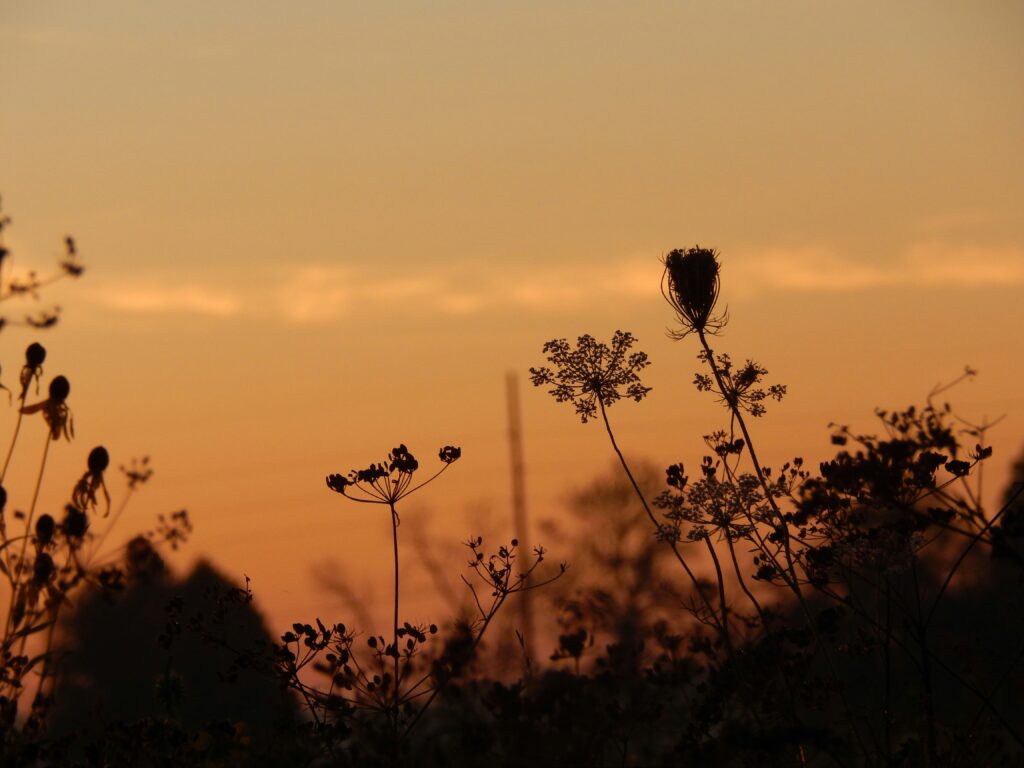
point(315, 232)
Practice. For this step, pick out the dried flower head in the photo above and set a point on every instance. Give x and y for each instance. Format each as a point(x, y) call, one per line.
point(690, 284)
point(591, 371)
point(71, 264)
point(55, 409)
point(35, 355)
point(60, 388)
point(137, 473)
point(84, 495)
point(45, 527)
point(75, 524)
point(449, 454)
point(44, 569)
point(390, 480)
point(740, 385)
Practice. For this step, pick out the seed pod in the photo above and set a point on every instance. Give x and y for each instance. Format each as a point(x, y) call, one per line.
point(43, 569)
point(35, 355)
point(60, 388)
point(45, 526)
point(75, 524)
point(99, 460)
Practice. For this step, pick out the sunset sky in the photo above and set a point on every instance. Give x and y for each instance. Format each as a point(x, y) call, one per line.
point(316, 230)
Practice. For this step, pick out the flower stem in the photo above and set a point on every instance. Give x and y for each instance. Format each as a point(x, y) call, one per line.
point(14, 441)
point(9, 623)
point(394, 535)
point(782, 527)
point(654, 520)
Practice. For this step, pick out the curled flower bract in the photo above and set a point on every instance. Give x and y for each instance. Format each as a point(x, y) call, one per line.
point(690, 284)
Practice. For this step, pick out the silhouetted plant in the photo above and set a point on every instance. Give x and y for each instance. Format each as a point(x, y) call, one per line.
point(42, 559)
point(590, 376)
point(29, 284)
point(862, 551)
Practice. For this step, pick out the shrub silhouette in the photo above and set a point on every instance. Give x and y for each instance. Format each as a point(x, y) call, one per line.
point(129, 659)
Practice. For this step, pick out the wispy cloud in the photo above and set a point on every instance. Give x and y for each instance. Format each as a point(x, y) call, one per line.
point(320, 293)
point(314, 293)
point(190, 298)
point(926, 265)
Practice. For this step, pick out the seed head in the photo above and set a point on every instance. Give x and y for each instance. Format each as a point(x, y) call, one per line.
point(75, 524)
point(690, 284)
point(43, 569)
point(99, 460)
point(35, 354)
point(449, 454)
point(60, 388)
point(45, 527)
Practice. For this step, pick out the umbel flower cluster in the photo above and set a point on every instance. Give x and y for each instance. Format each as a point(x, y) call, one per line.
point(389, 481)
point(592, 374)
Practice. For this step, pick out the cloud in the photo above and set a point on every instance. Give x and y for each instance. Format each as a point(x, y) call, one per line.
point(187, 298)
point(318, 293)
point(925, 265)
point(315, 293)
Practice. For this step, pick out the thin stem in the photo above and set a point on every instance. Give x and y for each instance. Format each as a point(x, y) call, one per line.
point(721, 595)
point(394, 532)
point(28, 528)
point(3, 474)
point(14, 440)
point(744, 587)
point(113, 521)
point(963, 555)
point(653, 519)
point(781, 526)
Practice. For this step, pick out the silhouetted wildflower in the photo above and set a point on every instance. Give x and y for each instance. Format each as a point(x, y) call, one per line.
point(174, 528)
point(45, 527)
point(43, 569)
point(592, 370)
point(75, 524)
point(690, 284)
point(35, 355)
point(137, 473)
point(84, 493)
point(449, 453)
point(70, 264)
point(739, 386)
point(390, 480)
point(55, 409)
